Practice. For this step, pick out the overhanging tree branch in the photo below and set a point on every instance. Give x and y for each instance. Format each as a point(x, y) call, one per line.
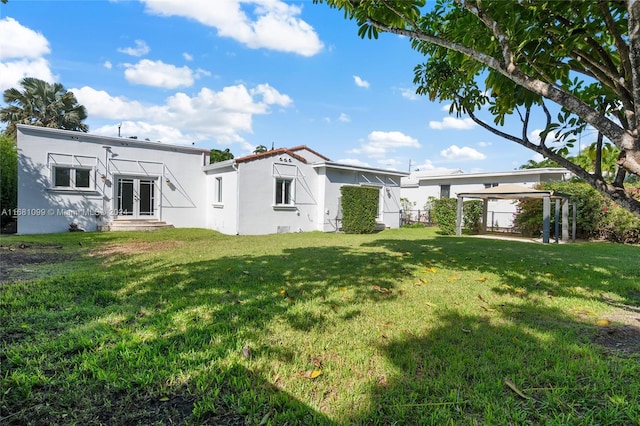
point(570, 102)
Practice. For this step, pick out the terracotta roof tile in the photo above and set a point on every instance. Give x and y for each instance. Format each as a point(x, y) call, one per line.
point(280, 151)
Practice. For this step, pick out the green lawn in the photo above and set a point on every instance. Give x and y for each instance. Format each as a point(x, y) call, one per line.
point(400, 327)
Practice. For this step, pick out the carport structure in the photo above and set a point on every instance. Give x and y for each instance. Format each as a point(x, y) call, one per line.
point(518, 192)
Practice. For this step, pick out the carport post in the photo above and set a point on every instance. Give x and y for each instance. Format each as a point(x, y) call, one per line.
point(485, 214)
point(565, 220)
point(459, 216)
point(557, 224)
point(574, 223)
point(546, 220)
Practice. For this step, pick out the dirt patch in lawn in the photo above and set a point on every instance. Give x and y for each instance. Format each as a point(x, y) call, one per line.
point(620, 332)
point(19, 262)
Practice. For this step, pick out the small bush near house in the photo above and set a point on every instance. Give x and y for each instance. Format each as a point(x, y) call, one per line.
point(359, 209)
point(8, 179)
point(444, 215)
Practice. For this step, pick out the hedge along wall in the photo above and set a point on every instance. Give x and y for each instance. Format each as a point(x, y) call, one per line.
point(359, 209)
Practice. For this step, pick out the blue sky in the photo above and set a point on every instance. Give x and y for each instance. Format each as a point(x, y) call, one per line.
point(240, 73)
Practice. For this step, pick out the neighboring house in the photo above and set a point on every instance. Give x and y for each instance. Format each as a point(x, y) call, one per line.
point(98, 182)
point(291, 190)
point(419, 187)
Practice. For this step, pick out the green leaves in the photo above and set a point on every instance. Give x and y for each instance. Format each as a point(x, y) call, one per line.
point(359, 209)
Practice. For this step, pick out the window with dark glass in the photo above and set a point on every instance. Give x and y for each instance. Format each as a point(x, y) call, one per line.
point(71, 177)
point(62, 177)
point(218, 193)
point(283, 192)
point(83, 178)
point(445, 191)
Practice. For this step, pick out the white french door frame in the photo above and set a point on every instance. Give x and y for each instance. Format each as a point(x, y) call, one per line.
point(136, 197)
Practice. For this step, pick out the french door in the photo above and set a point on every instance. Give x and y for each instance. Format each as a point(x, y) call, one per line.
point(136, 197)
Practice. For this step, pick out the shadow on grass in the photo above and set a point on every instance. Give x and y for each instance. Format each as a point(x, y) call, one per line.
point(160, 340)
point(540, 269)
point(141, 341)
point(473, 370)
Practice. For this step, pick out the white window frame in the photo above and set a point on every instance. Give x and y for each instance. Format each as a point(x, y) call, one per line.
point(218, 191)
point(279, 180)
point(73, 177)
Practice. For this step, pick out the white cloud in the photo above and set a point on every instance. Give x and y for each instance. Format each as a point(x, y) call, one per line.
point(12, 72)
point(22, 53)
point(534, 136)
point(140, 49)
point(465, 153)
point(453, 123)
point(159, 74)
point(537, 157)
point(208, 115)
point(428, 168)
point(353, 162)
point(344, 118)
point(360, 82)
point(272, 24)
point(187, 57)
point(271, 96)
point(409, 94)
point(18, 41)
point(446, 107)
point(484, 144)
point(108, 65)
point(391, 164)
point(379, 144)
point(102, 105)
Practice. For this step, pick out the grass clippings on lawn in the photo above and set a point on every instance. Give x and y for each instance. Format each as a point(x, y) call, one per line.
point(404, 326)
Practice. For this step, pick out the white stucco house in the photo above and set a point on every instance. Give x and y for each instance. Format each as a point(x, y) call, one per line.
point(108, 183)
point(291, 190)
point(418, 187)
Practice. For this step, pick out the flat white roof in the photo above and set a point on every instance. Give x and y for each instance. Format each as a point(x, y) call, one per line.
point(111, 140)
point(416, 177)
point(340, 166)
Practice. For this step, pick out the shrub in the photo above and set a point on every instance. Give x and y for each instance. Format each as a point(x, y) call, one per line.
point(528, 217)
point(597, 216)
point(444, 215)
point(8, 178)
point(472, 215)
point(359, 209)
point(414, 225)
point(620, 226)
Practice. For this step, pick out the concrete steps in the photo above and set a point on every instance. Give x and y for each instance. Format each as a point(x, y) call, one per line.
point(134, 225)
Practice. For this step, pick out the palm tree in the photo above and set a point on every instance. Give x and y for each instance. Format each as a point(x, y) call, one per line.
point(260, 149)
point(42, 104)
